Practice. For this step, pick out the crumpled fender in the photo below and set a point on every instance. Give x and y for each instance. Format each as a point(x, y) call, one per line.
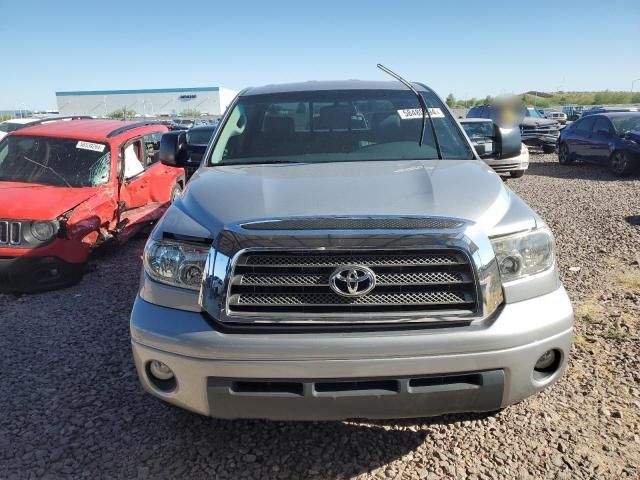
point(96, 215)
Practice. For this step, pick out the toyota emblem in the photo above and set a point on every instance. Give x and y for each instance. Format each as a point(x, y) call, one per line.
point(352, 280)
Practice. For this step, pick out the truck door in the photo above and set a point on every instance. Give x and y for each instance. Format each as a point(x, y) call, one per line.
point(134, 191)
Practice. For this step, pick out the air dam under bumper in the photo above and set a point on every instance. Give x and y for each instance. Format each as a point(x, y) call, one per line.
point(352, 375)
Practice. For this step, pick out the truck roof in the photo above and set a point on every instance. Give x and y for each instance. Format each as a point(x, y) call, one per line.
point(312, 86)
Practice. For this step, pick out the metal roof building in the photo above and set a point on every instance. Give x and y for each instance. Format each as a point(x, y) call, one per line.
point(152, 102)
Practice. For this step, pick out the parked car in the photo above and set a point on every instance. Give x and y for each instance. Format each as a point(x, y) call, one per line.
point(501, 148)
point(67, 187)
point(595, 110)
point(559, 117)
point(197, 139)
point(573, 112)
point(14, 124)
point(535, 129)
point(340, 254)
point(611, 139)
point(184, 123)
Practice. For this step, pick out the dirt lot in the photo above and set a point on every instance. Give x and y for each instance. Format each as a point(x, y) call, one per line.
point(72, 406)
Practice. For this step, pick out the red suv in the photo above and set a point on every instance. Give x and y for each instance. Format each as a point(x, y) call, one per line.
point(69, 186)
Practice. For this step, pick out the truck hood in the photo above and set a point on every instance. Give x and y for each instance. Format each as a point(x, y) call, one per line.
point(231, 195)
point(538, 122)
point(28, 201)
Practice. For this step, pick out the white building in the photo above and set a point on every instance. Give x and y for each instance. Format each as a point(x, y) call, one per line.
point(152, 102)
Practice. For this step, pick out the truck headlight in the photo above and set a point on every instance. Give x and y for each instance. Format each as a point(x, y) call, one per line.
point(175, 263)
point(524, 254)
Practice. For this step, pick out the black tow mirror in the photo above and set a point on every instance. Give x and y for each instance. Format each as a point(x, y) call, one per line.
point(509, 141)
point(173, 149)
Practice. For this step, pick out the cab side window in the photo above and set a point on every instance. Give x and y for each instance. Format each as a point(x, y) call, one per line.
point(151, 147)
point(132, 164)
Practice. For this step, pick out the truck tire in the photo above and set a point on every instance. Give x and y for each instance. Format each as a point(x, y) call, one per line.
point(516, 173)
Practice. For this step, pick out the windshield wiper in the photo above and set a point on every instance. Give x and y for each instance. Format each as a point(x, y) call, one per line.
point(48, 168)
point(423, 106)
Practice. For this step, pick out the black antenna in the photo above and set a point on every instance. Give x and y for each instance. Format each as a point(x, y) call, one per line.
point(423, 106)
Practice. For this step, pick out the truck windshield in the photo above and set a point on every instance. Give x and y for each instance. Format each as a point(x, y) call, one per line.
point(532, 112)
point(54, 161)
point(478, 129)
point(335, 126)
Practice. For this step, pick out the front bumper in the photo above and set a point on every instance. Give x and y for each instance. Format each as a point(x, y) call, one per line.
point(350, 375)
point(56, 264)
point(512, 164)
point(36, 274)
point(539, 139)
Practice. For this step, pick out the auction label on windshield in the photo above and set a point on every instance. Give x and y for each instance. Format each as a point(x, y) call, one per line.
point(411, 113)
point(96, 147)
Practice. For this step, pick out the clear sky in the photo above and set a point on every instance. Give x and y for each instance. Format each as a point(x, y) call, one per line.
point(468, 48)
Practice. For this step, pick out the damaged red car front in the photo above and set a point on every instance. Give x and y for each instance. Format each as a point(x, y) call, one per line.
point(69, 186)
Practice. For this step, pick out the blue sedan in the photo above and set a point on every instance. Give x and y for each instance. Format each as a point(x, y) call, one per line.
point(611, 139)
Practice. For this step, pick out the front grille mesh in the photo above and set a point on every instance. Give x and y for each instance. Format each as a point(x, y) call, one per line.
point(337, 260)
point(273, 283)
point(416, 278)
point(328, 299)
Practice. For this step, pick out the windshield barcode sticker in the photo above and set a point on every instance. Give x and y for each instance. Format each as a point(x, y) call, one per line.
point(96, 147)
point(412, 113)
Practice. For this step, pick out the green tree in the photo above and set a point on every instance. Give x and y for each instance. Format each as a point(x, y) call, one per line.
point(451, 100)
point(122, 113)
point(189, 112)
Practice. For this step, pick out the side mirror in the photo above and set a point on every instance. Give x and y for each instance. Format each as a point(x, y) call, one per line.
point(173, 149)
point(509, 141)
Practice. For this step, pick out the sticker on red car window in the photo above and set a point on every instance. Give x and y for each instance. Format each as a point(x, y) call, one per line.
point(411, 113)
point(96, 147)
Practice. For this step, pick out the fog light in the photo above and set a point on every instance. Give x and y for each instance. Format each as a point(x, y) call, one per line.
point(546, 360)
point(160, 370)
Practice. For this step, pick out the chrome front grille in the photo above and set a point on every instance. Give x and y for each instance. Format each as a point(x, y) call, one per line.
point(275, 283)
point(10, 232)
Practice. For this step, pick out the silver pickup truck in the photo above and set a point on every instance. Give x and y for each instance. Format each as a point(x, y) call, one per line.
point(342, 252)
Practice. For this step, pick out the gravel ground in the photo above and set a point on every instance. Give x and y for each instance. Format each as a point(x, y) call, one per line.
point(72, 406)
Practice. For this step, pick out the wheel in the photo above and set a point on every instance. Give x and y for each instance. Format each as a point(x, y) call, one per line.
point(175, 192)
point(548, 148)
point(620, 164)
point(564, 156)
point(517, 173)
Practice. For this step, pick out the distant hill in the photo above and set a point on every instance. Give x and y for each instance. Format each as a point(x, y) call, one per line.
point(579, 98)
point(548, 99)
